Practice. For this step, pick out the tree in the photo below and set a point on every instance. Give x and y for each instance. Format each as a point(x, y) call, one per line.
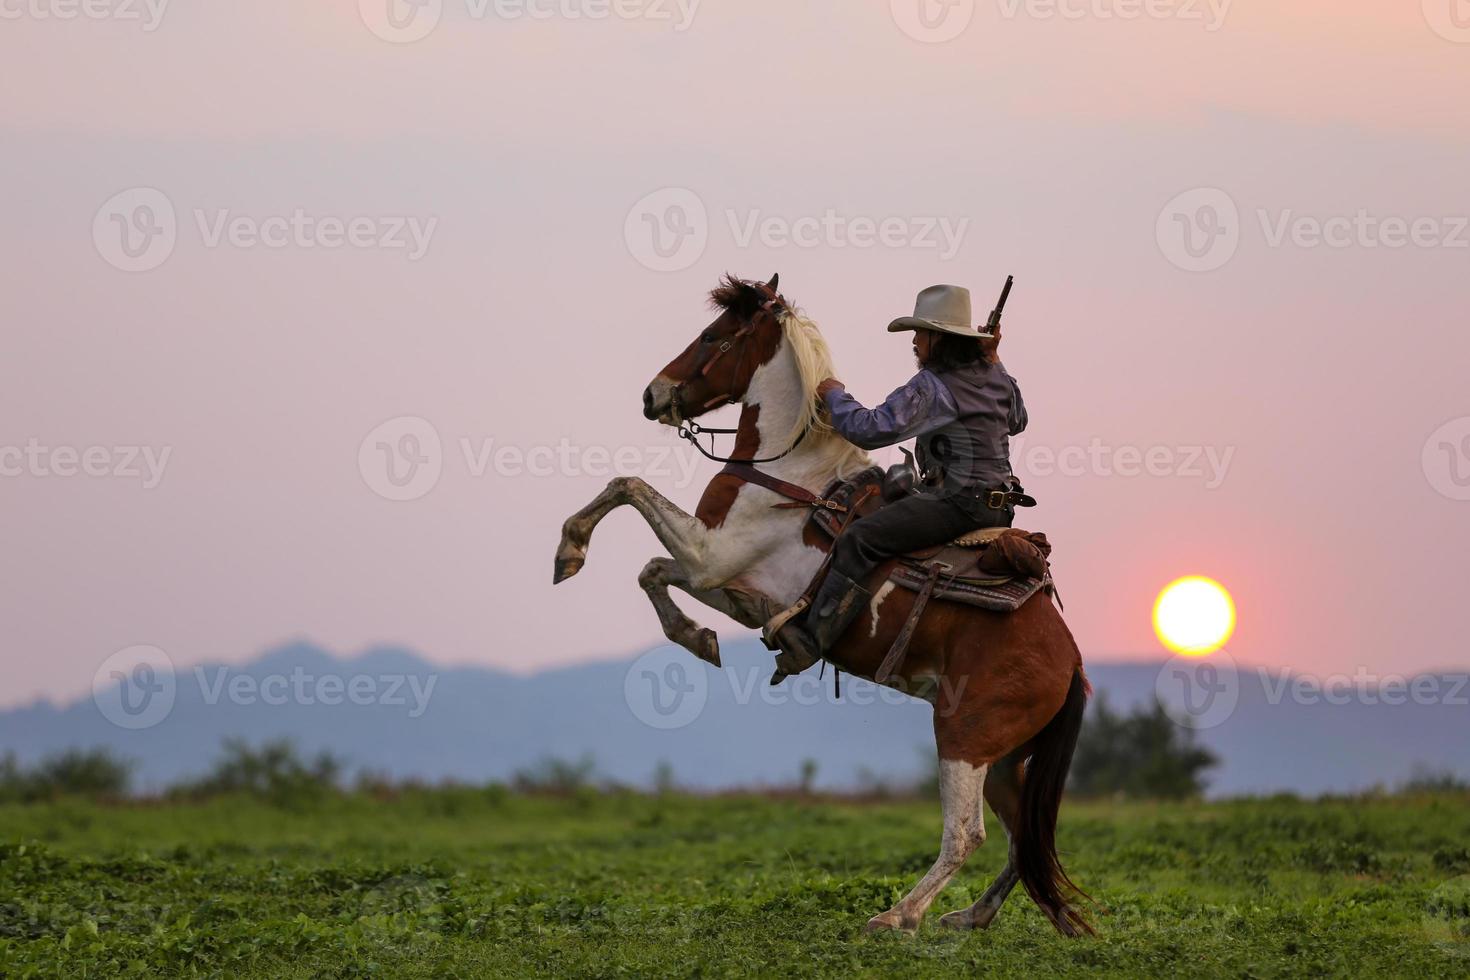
point(1141, 754)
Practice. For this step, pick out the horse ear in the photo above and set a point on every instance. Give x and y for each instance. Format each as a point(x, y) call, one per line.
point(775, 284)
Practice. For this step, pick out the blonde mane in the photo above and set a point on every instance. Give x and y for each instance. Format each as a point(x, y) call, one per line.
point(813, 359)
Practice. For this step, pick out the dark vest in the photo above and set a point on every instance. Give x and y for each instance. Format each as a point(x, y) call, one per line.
point(974, 451)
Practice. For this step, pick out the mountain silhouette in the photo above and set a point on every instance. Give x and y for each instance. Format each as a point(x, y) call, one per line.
point(393, 713)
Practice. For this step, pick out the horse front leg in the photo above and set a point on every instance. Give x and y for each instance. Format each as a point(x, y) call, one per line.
point(683, 534)
point(655, 579)
point(1003, 793)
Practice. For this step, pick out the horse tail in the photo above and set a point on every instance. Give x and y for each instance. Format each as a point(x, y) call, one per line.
point(1035, 835)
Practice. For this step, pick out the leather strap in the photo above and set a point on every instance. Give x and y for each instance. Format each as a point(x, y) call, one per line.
point(801, 495)
point(894, 660)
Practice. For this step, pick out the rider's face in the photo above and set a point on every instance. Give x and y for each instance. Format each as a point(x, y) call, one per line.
point(924, 345)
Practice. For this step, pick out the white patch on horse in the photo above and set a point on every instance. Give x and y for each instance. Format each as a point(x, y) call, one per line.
point(878, 598)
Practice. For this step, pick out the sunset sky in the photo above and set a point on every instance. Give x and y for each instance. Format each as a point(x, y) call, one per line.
point(1304, 401)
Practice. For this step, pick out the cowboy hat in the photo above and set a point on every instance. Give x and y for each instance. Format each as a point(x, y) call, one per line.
point(942, 308)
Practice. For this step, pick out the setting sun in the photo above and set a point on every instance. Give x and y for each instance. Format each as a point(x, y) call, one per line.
point(1194, 616)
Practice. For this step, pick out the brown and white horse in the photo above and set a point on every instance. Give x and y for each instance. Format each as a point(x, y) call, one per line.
point(1008, 690)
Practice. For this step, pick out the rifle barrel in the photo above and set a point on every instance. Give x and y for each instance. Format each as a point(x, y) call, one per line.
point(1000, 307)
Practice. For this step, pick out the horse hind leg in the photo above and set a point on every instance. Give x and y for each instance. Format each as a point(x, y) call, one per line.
point(961, 787)
point(1003, 793)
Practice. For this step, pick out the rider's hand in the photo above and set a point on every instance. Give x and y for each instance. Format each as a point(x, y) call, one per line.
point(831, 384)
point(991, 347)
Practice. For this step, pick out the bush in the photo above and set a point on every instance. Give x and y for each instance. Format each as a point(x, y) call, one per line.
point(274, 772)
point(1430, 781)
point(1143, 754)
point(558, 777)
point(96, 774)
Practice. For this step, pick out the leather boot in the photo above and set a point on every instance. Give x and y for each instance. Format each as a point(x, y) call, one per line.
point(837, 604)
point(807, 638)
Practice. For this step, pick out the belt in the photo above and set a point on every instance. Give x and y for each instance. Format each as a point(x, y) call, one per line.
point(1003, 498)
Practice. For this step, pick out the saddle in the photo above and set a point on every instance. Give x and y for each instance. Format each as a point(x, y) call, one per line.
point(998, 569)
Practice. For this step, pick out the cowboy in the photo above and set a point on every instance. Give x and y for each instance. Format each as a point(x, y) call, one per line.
point(962, 408)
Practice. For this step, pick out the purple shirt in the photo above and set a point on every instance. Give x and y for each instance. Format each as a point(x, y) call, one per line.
point(921, 406)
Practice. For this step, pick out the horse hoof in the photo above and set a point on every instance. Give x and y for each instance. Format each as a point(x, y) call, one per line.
point(708, 643)
point(969, 918)
point(567, 566)
point(961, 919)
point(888, 922)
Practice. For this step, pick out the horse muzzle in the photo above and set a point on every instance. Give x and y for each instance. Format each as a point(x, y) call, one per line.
point(658, 401)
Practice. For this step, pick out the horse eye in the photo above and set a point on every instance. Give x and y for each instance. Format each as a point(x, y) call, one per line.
point(707, 338)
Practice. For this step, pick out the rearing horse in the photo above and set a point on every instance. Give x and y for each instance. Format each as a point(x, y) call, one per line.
point(1008, 689)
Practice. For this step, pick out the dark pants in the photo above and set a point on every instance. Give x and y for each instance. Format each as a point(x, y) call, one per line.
point(915, 522)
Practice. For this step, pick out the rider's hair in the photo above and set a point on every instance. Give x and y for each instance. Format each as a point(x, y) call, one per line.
point(952, 351)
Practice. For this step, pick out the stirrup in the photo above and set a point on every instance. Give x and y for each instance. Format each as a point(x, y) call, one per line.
point(769, 631)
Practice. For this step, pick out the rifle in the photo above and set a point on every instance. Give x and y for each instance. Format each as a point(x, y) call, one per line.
point(993, 324)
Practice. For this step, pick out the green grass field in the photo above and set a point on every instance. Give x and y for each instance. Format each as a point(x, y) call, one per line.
point(484, 883)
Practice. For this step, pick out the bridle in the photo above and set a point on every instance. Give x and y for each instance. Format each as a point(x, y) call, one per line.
point(690, 430)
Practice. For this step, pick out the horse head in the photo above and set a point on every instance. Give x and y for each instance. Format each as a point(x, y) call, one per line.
point(716, 368)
